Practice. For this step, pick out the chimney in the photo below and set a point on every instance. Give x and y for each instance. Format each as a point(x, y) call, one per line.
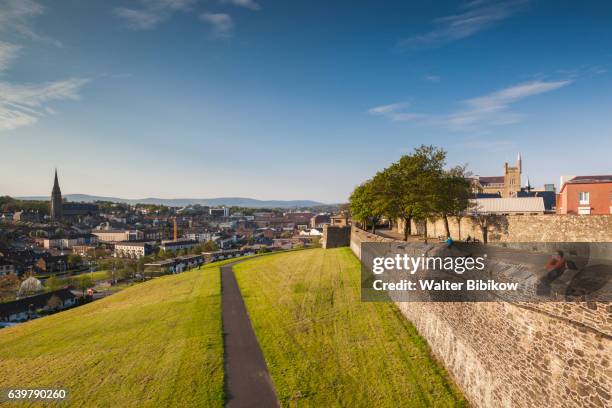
point(563, 180)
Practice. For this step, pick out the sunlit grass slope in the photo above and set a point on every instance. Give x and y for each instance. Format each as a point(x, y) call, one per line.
point(324, 347)
point(156, 344)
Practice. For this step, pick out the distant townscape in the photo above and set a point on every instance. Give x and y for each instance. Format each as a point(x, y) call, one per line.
point(56, 253)
point(180, 202)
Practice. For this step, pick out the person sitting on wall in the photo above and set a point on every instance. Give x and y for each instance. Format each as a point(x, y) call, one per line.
point(554, 268)
point(556, 265)
point(449, 242)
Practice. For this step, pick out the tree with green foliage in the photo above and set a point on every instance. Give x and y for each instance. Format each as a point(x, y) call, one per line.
point(453, 194)
point(363, 206)
point(74, 260)
point(54, 283)
point(210, 246)
point(415, 188)
point(9, 285)
point(9, 204)
point(82, 282)
point(54, 302)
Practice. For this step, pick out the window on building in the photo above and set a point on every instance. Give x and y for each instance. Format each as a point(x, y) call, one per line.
point(583, 197)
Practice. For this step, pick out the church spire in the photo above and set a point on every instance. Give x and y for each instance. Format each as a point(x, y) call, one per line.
point(56, 200)
point(528, 186)
point(56, 187)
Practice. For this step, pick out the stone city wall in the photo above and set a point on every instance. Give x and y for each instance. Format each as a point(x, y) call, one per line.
point(505, 354)
point(334, 236)
point(525, 228)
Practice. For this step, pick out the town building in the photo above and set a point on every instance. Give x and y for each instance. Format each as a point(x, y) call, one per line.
point(227, 254)
point(48, 263)
point(27, 216)
point(174, 265)
point(200, 236)
point(6, 266)
point(300, 220)
point(175, 246)
point(319, 220)
point(70, 242)
point(23, 309)
point(118, 235)
point(339, 220)
point(585, 195)
point(505, 186)
point(133, 250)
point(313, 232)
point(219, 212)
point(83, 249)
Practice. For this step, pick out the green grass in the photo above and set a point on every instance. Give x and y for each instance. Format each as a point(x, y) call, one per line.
point(96, 276)
point(156, 344)
point(324, 347)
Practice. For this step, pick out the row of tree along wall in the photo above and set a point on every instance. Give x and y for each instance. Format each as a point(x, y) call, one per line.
point(505, 354)
point(523, 228)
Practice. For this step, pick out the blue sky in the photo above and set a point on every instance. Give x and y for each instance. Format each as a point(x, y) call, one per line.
point(295, 99)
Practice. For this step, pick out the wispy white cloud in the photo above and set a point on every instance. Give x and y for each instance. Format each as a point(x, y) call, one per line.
point(151, 13)
point(8, 52)
point(222, 25)
point(22, 105)
point(138, 19)
point(476, 16)
point(16, 17)
point(431, 78)
point(493, 108)
point(250, 4)
point(488, 110)
point(395, 112)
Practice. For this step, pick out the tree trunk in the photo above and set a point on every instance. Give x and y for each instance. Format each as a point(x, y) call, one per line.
point(485, 232)
point(459, 227)
point(446, 227)
point(406, 228)
point(425, 230)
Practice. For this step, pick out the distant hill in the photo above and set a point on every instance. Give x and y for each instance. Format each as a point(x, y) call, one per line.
point(180, 202)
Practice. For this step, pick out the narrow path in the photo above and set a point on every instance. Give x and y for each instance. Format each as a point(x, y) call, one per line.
point(247, 382)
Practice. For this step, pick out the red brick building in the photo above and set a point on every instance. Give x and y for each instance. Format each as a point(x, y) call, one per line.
point(586, 195)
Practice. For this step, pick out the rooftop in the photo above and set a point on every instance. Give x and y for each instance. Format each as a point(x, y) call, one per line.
point(591, 179)
point(132, 244)
point(491, 180)
point(510, 205)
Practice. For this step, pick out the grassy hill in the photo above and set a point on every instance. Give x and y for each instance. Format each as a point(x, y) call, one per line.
point(156, 344)
point(324, 347)
point(159, 343)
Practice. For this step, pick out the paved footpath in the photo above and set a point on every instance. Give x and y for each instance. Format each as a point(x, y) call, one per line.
point(247, 381)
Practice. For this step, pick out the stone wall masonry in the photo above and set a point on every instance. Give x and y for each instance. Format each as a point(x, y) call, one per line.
point(526, 228)
point(505, 354)
point(334, 237)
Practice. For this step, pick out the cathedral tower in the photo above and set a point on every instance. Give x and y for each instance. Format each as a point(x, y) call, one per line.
point(56, 200)
point(512, 178)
